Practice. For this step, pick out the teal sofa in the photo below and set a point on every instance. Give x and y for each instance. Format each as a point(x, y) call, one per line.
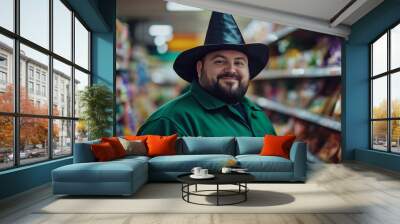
point(125, 176)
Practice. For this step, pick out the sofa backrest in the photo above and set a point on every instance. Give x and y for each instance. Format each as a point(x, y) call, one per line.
point(206, 145)
point(83, 153)
point(191, 146)
point(249, 145)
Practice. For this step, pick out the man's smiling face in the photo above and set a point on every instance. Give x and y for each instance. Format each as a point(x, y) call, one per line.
point(224, 74)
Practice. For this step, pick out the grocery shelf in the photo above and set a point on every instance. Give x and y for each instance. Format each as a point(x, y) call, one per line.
point(299, 73)
point(299, 113)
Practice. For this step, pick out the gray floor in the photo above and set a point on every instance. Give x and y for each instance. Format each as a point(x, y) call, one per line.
point(378, 188)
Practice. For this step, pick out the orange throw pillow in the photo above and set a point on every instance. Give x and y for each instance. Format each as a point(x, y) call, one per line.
point(277, 145)
point(116, 145)
point(103, 151)
point(161, 145)
point(135, 137)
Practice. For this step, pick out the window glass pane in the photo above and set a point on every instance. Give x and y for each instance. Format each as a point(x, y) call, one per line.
point(35, 21)
point(395, 47)
point(6, 142)
point(379, 55)
point(81, 131)
point(379, 135)
point(62, 138)
point(379, 97)
point(395, 135)
point(62, 89)
point(62, 29)
point(81, 45)
point(34, 97)
point(33, 139)
point(395, 94)
point(81, 81)
point(6, 74)
point(7, 14)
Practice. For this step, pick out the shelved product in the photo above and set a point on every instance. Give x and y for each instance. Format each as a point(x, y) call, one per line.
point(143, 82)
point(301, 90)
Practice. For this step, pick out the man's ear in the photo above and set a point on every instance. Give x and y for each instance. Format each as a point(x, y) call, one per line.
point(199, 66)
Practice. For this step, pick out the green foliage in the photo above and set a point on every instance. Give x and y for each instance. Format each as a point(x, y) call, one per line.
point(96, 102)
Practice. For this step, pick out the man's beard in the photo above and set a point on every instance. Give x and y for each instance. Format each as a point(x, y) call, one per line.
point(228, 93)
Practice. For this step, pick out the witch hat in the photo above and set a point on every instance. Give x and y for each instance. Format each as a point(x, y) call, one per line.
point(222, 34)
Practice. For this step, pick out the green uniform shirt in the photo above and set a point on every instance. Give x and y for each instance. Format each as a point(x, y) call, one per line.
point(198, 113)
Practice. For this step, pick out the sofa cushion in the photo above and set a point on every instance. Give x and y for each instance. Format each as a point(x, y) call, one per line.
point(103, 152)
point(206, 145)
point(116, 145)
point(257, 163)
point(134, 137)
point(185, 163)
point(249, 145)
point(134, 147)
point(159, 145)
point(111, 171)
point(277, 145)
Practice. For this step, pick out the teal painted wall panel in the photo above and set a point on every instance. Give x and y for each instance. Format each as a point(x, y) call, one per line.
point(356, 100)
point(103, 52)
point(380, 159)
point(24, 178)
point(102, 59)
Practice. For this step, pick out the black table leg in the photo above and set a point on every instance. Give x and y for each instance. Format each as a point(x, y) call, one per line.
point(182, 190)
point(245, 193)
point(217, 194)
point(188, 190)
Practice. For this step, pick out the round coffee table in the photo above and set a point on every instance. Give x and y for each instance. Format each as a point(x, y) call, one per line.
point(238, 179)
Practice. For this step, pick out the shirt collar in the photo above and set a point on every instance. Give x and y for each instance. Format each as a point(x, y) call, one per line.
point(210, 102)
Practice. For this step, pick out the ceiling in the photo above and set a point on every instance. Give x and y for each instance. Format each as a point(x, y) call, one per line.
point(326, 16)
point(154, 12)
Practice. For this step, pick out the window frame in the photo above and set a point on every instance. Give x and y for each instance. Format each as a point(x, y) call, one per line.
point(388, 74)
point(16, 115)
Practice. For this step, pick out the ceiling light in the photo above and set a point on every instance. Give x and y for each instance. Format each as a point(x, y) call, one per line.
point(160, 30)
point(172, 6)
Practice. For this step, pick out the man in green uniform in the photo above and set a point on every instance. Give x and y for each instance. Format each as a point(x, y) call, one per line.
point(219, 73)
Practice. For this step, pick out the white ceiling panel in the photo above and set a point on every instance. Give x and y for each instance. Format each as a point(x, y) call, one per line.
point(314, 15)
point(321, 9)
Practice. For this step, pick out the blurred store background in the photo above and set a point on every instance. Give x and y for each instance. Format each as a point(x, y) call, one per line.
point(300, 89)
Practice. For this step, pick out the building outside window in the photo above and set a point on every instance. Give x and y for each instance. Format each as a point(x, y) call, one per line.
point(38, 89)
point(30, 72)
point(3, 61)
point(30, 87)
point(37, 75)
point(3, 72)
point(43, 90)
point(59, 127)
point(43, 78)
point(3, 78)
